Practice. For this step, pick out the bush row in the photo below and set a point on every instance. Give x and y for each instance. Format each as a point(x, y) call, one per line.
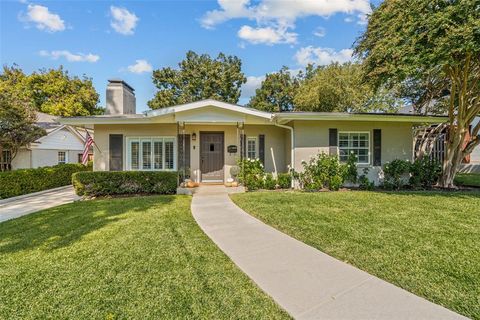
point(421, 174)
point(252, 175)
point(23, 181)
point(100, 183)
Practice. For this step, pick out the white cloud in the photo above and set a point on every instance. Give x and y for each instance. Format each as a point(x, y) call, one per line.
point(275, 18)
point(267, 35)
point(252, 84)
point(124, 21)
point(322, 56)
point(320, 32)
point(140, 66)
point(71, 57)
point(268, 10)
point(43, 18)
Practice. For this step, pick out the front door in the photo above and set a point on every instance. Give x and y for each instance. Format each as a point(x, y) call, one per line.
point(211, 156)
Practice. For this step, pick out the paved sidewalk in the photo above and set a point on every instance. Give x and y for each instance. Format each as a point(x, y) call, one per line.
point(22, 205)
point(307, 283)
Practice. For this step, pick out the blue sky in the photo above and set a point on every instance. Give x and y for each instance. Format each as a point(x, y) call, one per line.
point(127, 39)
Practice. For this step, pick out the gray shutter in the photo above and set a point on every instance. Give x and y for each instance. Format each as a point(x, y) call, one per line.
point(333, 141)
point(377, 147)
point(116, 152)
point(261, 148)
point(183, 158)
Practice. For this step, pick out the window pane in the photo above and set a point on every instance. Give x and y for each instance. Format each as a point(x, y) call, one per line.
point(169, 154)
point(356, 143)
point(251, 148)
point(146, 155)
point(61, 157)
point(134, 155)
point(157, 155)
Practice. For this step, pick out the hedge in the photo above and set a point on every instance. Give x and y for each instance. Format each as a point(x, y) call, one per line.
point(101, 183)
point(23, 181)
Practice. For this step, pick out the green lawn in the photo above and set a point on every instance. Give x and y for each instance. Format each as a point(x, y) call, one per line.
point(468, 179)
point(427, 243)
point(125, 258)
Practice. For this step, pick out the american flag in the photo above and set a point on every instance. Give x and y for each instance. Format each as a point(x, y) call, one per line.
point(88, 143)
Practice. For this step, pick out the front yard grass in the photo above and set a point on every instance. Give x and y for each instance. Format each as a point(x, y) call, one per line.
point(425, 242)
point(468, 179)
point(124, 258)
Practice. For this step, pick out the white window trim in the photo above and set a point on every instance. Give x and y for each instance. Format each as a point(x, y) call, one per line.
point(152, 139)
point(256, 146)
point(369, 145)
point(66, 156)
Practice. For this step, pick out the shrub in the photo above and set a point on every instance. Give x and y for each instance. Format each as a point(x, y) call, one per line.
point(322, 171)
point(251, 173)
point(100, 183)
point(364, 182)
point(270, 183)
point(424, 173)
point(351, 172)
point(23, 181)
point(395, 173)
point(284, 180)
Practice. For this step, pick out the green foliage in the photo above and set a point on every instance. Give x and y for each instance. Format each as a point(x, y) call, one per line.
point(363, 182)
point(433, 45)
point(284, 180)
point(396, 173)
point(468, 179)
point(351, 171)
point(269, 183)
point(52, 91)
point(198, 77)
point(101, 183)
point(322, 172)
point(276, 92)
point(17, 115)
point(340, 88)
point(251, 173)
point(424, 173)
point(23, 181)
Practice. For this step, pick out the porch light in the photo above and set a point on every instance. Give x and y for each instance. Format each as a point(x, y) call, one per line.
point(194, 136)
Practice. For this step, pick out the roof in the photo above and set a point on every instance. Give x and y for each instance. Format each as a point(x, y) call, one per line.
point(283, 117)
point(47, 121)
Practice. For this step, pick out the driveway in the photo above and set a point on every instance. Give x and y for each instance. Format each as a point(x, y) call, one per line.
point(19, 206)
point(306, 282)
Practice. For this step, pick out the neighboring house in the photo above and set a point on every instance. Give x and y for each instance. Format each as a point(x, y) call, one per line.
point(61, 144)
point(205, 139)
point(473, 164)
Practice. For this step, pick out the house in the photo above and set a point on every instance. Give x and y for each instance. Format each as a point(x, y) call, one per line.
point(61, 144)
point(205, 139)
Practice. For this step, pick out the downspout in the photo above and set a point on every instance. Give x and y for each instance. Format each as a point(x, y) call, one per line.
point(292, 145)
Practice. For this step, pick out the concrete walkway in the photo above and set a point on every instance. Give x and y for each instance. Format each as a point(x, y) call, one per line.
point(19, 206)
point(307, 283)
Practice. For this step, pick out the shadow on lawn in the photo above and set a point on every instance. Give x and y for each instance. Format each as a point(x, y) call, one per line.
point(61, 226)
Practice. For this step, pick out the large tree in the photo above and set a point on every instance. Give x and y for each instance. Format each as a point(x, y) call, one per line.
point(340, 88)
point(17, 117)
point(53, 91)
point(436, 42)
point(198, 77)
point(276, 92)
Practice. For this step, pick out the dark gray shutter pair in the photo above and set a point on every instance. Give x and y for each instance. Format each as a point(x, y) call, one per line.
point(261, 147)
point(377, 144)
point(183, 152)
point(115, 146)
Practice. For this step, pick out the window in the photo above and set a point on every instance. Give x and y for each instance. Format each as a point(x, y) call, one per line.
point(151, 153)
point(252, 147)
point(80, 156)
point(62, 157)
point(354, 142)
point(5, 160)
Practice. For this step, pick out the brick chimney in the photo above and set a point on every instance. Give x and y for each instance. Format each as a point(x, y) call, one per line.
point(120, 98)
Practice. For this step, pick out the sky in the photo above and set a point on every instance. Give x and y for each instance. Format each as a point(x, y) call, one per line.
point(128, 39)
